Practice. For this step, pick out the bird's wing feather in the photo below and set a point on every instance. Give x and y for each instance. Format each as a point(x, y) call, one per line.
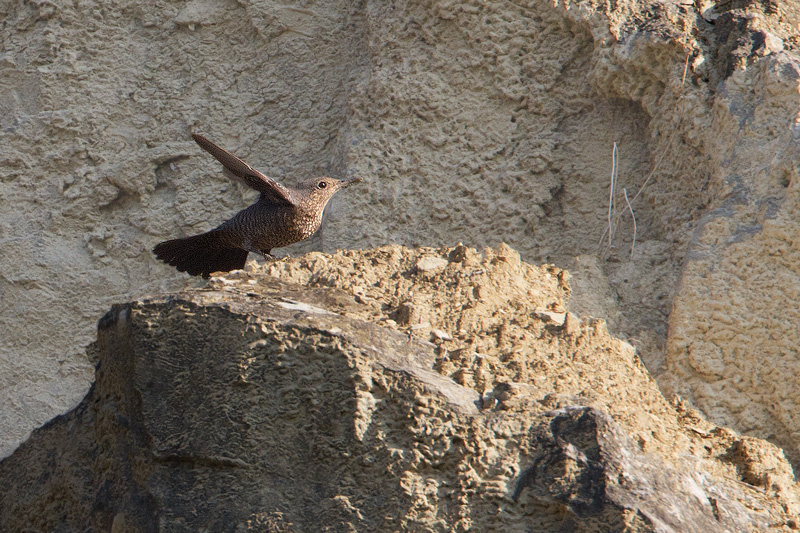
point(244, 173)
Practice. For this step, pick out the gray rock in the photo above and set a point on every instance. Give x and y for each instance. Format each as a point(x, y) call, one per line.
point(225, 409)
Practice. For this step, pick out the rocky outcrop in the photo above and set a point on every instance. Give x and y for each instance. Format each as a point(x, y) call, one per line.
point(473, 121)
point(337, 404)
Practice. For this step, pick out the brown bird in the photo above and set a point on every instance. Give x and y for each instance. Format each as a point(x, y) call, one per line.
point(281, 216)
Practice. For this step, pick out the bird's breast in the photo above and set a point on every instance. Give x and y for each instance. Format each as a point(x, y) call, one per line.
point(304, 226)
point(276, 226)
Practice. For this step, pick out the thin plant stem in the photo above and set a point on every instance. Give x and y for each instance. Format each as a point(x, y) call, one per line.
point(633, 243)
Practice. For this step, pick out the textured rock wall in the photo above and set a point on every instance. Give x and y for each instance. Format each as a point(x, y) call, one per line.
point(258, 405)
point(96, 101)
point(471, 121)
point(731, 347)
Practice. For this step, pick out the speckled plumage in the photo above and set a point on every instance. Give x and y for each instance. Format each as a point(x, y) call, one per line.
point(281, 216)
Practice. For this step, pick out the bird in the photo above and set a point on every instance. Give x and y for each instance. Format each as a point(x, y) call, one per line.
point(281, 216)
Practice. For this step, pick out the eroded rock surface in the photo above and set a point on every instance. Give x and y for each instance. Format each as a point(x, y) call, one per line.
point(260, 404)
point(472, 121)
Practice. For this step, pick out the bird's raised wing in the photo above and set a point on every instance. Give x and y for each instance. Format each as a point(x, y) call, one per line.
point(241, 171)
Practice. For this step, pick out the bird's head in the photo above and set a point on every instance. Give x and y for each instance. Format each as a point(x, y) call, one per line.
point(319, 190)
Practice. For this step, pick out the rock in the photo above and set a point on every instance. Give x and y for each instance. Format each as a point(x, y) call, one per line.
point(585, 461)
point(556, 318)
point(481, 122)
point(430, 264)
point(257, 403)
point(441, 335)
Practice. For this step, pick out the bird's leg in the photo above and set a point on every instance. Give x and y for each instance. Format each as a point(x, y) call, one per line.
point(263, 253)
point(266, 255)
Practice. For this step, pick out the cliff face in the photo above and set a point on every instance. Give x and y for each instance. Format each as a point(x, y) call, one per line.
point(480, 122)
point(336, 404)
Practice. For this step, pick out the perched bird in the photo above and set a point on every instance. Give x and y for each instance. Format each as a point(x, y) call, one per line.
point(281, 216)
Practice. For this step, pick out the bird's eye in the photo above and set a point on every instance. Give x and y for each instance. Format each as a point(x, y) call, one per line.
point(322, 184)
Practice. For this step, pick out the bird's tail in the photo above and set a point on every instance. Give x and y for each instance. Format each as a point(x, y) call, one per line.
point(201, 254)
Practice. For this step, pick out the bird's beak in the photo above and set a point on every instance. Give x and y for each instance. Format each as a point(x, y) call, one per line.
point(349, 182)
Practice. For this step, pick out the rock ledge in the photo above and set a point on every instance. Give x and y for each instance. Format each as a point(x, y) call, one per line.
point(387, 389)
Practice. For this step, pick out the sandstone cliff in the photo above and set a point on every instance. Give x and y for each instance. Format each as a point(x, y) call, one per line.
point(472, 121)
point(390, 389)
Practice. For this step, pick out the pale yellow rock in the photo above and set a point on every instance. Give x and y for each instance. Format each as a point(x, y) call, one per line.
point(223, 407)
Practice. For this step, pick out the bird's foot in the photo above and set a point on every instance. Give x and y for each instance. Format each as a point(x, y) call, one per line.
point(264, 254)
